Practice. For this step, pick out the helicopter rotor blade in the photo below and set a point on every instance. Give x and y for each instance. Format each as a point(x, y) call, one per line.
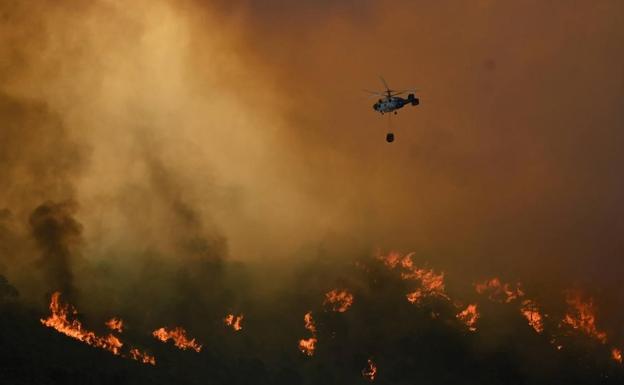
point(385, 84)
point(375, 93)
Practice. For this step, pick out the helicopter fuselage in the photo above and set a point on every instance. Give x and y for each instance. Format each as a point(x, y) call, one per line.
point(393, 103)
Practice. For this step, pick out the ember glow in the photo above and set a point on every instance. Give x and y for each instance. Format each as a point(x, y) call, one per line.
point(469, 317)
point(498, 291)
point(370, 371)
point(616, 354)
point(59, 320)
point(115, 324)
point(179, 338)
point(338, 301)
point(235, 322)
point(307, 346)
point(530, 311)
point(582, 317)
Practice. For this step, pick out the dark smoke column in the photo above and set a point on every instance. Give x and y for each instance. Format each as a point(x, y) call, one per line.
point(58, 235)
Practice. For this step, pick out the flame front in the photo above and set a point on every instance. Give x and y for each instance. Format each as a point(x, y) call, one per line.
point(582, 317)
point(143, 357)
point(338, 301)
point(235, 322)
point(530, 311)
point(431, 283)
point(307, 346)
point(115, 324)
point(58, 320)
point(469, 317)
point(179, 338)
point(498, 291)
point(370, 372)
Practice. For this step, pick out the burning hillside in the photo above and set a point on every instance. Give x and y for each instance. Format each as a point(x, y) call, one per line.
point(355, 329)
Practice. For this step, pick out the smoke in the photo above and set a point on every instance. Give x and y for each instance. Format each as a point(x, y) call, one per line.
point(58, 235)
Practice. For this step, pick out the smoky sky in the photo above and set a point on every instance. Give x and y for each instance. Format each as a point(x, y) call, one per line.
point(240, 130)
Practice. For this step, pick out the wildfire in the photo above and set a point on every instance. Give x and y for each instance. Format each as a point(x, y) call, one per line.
point(309, 322)
point(370, 372)
point(498, 291)
point(115, 324)
point(58, 320)
point(339, 301)
point(414, 297)
point(431, 283)
point(307, 346)
point(469, 317)
point(143, 357)
point(393, 259)
point(582, 317)
point(530, 311)
point(616, 354)
point(235, 322)
point(179, 337)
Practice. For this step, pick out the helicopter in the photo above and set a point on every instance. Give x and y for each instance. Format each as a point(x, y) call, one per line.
point(391, 102)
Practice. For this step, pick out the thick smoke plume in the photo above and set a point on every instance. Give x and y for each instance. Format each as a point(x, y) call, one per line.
point(58, 235)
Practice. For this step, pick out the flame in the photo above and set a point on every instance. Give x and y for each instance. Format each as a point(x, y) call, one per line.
point(58, 320)
point(309, 322)
point(115, 324)
point(143, 357)
point(370, 372)
point(234, 321)
point(178, 335)
point(582, 317)
point(414, 297)
point(469, 317)
point(340, 301)
point(498, 291)
point(307, 346)
point(432, 283)
point(393, 259)
point(530, 311)
point(616, 354)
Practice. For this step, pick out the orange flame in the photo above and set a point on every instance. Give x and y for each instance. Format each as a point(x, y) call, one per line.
point(469, 317)
point(370, 372)
point(616, 354)
point(432, 283)
point(307, 346)
point(60, 322)
point(530, 311)
point(178, 335)
point(582, 317)
point(143, 357)
point(498, 291)
point(415, 296)
point(115, 324)
point(235, 322)
point(393, 259)
point(309, 322)
point(339, 301)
